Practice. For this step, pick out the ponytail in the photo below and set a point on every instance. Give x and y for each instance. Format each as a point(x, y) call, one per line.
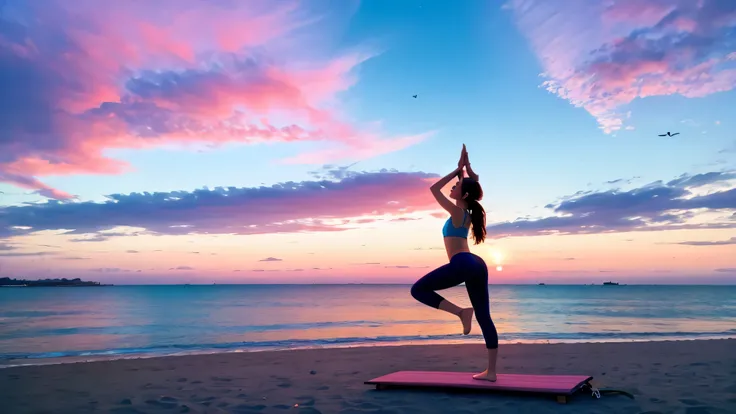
point(478, 219)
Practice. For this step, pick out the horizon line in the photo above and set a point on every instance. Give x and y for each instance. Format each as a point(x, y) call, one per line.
point(399, 284)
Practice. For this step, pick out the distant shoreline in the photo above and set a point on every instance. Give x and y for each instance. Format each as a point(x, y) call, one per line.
point(52, 285)
point(7, 282)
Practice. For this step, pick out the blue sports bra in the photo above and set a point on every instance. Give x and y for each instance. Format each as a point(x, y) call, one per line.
point(449, 230)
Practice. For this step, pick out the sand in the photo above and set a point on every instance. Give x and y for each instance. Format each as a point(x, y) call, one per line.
point(693, 377)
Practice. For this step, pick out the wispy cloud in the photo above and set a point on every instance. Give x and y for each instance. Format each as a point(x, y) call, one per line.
point(91, 239)
point(697, 180)
point(690, 123)
point(80, 78)
point(657, 206)
point(271, 259)
point(26, 254)
point(730, 241)
point(285, 270)
point(282, 208)
point(728, 150)
point(333, 172)
point(621, 181)
point(97, 237)
point(109, 270)
point(5, 247)
point(602, 55)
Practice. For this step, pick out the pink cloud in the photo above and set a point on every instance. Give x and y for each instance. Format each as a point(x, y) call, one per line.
point(602, 55)
point(80, 79)
point(642, 13)
point(24, 181)
point(310, 206)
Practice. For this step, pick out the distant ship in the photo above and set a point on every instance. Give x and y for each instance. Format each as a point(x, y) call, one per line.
point(610, 283)
point(541, 284)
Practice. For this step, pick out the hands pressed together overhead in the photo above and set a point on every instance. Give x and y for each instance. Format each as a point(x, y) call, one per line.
point(464, 163)
point(463, 158)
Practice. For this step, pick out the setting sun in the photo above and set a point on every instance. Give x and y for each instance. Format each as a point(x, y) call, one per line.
point(497, 257)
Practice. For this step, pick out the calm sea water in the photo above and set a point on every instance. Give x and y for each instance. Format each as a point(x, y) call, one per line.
point(41, 324)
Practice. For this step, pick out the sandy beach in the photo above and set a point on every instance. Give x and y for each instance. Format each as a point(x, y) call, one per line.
point(693, 377)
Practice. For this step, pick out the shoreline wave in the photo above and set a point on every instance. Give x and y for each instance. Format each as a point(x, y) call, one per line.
point(49, 358)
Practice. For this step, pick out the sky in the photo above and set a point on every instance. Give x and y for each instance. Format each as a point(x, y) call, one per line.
point(226, 141)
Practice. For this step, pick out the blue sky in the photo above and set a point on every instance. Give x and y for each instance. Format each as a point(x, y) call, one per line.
point(479, 70)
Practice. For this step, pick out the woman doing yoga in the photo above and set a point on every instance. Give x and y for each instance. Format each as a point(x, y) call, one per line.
point(464, 266)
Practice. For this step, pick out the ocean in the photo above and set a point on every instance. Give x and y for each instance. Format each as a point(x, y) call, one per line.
point(39, 325)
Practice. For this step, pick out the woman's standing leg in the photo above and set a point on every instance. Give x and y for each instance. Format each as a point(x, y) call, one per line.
point(477, 286)
point(444, 277)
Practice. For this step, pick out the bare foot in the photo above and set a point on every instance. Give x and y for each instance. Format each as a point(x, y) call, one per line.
point(466, 315)
point(485, 376)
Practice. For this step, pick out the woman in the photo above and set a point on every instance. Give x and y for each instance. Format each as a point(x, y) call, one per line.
point(464, 266)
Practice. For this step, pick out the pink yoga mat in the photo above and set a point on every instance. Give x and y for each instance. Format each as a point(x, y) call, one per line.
point(547, 384)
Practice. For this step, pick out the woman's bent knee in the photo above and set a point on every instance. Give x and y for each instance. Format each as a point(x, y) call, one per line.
point(426, 296)
point(416, 292)
point(421, 295)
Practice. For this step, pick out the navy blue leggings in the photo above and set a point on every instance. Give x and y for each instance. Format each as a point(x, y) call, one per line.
point(463, 267)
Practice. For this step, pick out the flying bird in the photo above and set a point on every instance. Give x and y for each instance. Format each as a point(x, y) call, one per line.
point(669, 134)
point(415, 96)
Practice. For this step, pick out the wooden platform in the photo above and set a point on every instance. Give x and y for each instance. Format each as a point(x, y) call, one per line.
point(561, 386)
